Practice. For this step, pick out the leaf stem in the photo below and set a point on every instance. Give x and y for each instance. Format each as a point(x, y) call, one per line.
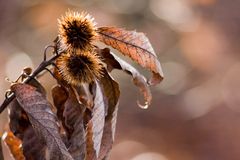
point(38, 70)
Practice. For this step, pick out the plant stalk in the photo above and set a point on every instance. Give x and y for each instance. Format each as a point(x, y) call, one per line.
point(38, 70)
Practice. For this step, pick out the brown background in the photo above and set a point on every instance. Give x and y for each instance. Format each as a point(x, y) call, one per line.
point(195, 111)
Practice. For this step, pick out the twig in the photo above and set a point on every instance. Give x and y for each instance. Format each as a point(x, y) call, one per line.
point(42, 66)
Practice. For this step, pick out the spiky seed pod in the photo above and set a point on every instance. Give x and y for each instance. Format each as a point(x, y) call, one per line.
point(77, 31)
point(78, 67)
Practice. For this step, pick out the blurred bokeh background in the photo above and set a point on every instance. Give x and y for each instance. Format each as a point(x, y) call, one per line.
point(195, 114)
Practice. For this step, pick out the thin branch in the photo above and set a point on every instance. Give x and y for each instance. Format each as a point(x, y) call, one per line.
point(42, 66)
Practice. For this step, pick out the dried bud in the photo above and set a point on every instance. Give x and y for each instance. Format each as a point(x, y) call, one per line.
point(78, 67)
point(77, 31)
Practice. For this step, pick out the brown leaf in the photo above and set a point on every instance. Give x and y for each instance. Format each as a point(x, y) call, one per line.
point(73, 115)
point(84, 96)
point(60, 96)
point(111, 93)
point(19, 121)
point(43, 120)
point(95, 125)
point(136, 46)
point(139, 80)
point(33, 148)
point(35, 83)
point(14, 145)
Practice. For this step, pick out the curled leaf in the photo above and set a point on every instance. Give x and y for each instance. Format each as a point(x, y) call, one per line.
point(60, 96)
point(19, 121)
point(83, 95)
point(95, 125)
point(135, 45)
point(113, 61)
point(73, 115)
point(42, 119)
point(33, 148)
point(111, 93)
point(70, 112)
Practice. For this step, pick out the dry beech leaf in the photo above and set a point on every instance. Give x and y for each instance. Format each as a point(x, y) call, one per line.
point(139, 80)
point(14, 145)
point(135, 45)
point(95, 125)
point(73, 115)
point(43, 120)
point(111, 93)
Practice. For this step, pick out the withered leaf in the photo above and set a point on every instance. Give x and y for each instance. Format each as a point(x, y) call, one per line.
point(19, 121)
point(111, 93)
point(14, 145)
point(60, 96)
point(73, 115)
point(135, 45)
point(33, 148)
point(84, 96)
point(35, 83)
point(113, 61)
point(95, 125)
point(42, 119)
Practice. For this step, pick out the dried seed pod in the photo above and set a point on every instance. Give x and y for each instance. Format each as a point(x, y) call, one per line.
point(78, 67)
point(76, 31)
